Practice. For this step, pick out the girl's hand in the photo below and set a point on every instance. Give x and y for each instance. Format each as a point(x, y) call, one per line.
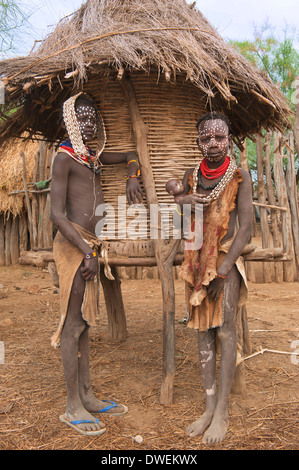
point(215, 288)
point(193, 200)
point(90, 268)
point(134, 191)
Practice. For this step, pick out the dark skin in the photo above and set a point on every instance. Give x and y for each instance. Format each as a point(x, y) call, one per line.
point(214, 141)
point(75, 193)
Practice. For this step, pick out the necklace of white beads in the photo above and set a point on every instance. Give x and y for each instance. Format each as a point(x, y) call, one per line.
point(74, 133)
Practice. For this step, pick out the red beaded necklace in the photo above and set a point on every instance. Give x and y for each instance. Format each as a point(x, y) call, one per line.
point(211, 173)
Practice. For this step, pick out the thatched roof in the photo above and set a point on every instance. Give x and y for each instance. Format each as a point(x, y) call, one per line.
point(161, 37)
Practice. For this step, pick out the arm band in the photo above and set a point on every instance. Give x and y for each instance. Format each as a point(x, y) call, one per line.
point(93, 254)
point(222, 277)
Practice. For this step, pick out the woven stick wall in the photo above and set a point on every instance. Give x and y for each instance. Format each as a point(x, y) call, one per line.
point(170, 112)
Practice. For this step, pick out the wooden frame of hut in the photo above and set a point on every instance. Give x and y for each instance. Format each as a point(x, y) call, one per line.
point(153, 67)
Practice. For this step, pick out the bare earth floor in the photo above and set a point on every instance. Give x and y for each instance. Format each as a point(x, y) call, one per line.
point(32, 392)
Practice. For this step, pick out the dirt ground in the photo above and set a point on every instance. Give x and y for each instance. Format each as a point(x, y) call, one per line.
point(32, 392)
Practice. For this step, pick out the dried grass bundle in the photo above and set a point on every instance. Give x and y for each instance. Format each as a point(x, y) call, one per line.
point(11, 174)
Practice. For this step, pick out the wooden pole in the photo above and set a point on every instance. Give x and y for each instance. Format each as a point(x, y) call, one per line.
point(293, 198)
point(7, 240)
point(14, 240)
point(2, 241)
point(164, 255)
point(280, 184)
point(262, 200)
point(23, 233)
point(278, 267)
point(41, 175)
point(296, 124)
point(29, 212)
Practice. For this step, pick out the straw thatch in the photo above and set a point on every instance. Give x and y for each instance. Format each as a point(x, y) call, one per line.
point(150, 36)
point(11, 175)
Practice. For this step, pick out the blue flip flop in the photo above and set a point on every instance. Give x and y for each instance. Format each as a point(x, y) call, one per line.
point(74, 425)
point(109, 407)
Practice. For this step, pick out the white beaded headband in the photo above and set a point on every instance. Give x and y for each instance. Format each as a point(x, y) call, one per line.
point(72, 127)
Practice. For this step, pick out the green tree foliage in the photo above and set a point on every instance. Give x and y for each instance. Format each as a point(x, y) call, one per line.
point(277, 57)
point(12, 19)
point(280, 60)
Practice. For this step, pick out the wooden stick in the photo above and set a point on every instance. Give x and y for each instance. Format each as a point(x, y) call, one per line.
point(241, 359)
point(291, 188)
point(27, 199)
point(287, 236)
point(29, 257)
point(276, 236)
point(262, 98)
point(33, 191)
point(262, 200)
point(270, 206)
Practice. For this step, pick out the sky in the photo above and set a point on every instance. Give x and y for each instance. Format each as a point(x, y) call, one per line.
point(233, 19)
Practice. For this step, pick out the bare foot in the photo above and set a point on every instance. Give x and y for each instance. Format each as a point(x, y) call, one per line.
point(199, 426)
point(93, 405)
point(216, 432)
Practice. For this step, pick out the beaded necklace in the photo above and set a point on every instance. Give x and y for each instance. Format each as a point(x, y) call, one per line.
point(86, 160)
point(220, 186)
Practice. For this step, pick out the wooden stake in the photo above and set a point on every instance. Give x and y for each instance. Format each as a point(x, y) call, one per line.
point(7, 240)
point(262, 200)
point(29, 212)
point(2, 241)
point(278, 268)
point(291, 187)
point(164, 255)
point(14, 240)
point(280, 184)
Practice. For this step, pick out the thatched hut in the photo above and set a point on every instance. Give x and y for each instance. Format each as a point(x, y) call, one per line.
point(153, 67)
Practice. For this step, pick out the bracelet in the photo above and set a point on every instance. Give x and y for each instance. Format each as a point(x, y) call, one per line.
point(222, 277)
point(176, 208)
point(131, 161)
point(93, 254)
point(133, 176)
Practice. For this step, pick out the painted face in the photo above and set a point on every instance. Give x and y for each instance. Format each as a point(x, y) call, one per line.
point(87, 121)
point(214, 139)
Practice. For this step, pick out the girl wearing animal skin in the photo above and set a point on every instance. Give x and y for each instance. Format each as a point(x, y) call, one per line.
point(75, 193)
point(215, 279)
